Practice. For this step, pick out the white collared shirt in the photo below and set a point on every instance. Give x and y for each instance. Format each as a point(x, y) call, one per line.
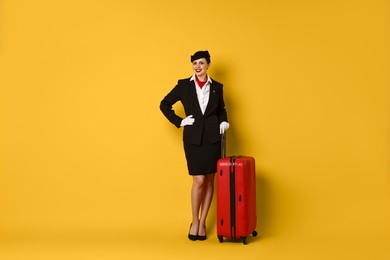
point(202, 93)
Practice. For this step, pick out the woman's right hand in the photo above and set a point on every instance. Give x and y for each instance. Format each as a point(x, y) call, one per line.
point(187, 121)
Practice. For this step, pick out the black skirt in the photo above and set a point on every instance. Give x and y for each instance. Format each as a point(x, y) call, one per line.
point(202, 159)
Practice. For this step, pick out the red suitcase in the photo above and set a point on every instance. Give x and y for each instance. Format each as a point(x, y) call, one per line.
point(236, 197)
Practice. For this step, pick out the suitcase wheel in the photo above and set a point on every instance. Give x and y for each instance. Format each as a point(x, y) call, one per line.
point(244, 240)
point(220, 239)
point(254, 233)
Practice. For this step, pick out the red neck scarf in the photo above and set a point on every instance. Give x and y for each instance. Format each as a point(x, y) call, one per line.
point(200, 83)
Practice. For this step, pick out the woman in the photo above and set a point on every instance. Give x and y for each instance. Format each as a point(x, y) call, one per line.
point(202, 99)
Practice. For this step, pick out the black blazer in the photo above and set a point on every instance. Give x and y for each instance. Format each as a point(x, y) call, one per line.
point(215, 112)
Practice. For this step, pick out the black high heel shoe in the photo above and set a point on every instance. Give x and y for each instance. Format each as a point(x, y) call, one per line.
point(192, 237)
point(202, 238)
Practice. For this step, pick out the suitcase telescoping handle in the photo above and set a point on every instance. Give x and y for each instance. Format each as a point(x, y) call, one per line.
point(223, 145)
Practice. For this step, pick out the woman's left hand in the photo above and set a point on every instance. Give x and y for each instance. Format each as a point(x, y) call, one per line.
point(223, 127)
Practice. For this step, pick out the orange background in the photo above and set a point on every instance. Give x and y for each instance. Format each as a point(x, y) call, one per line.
point(89, 165)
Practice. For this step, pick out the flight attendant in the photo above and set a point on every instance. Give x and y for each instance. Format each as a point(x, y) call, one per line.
point(205, 121)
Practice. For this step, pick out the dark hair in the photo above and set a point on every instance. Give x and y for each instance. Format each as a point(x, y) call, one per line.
point(201, 54)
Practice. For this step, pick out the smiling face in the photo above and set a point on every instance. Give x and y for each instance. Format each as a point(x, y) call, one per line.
point(200, 67)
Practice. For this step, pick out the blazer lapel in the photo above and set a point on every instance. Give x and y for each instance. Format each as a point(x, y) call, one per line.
point(212, 98)
point(194, 96)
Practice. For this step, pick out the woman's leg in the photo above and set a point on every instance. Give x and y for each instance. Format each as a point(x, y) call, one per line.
point(197, 194)
point(206, 203)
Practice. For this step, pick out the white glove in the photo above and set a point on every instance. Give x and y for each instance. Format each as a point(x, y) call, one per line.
point(223, 127)
point(187, 121)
